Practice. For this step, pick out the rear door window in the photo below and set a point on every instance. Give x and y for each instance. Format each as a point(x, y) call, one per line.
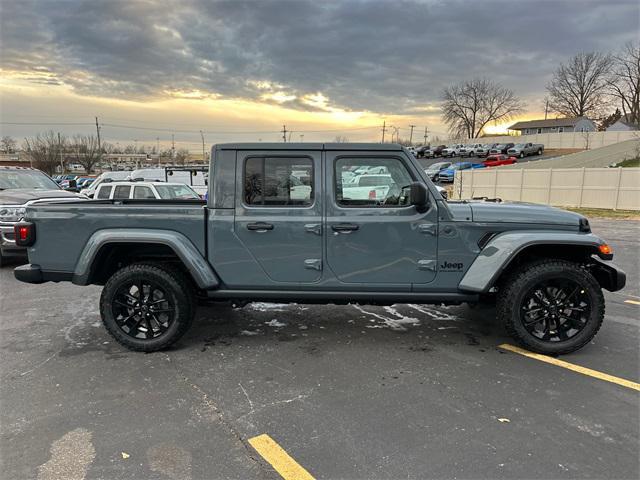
point(274, 182)
point(143, 192)
point(122, 192)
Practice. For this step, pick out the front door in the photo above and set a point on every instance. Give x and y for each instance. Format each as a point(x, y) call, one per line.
point(278, 217)
point(374, 235)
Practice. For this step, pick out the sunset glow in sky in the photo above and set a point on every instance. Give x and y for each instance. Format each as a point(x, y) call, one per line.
point(239, 71)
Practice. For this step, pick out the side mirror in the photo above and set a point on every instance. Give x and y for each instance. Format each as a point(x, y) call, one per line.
point(419, 196)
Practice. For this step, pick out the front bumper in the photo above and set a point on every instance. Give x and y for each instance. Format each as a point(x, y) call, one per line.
point(609, 275)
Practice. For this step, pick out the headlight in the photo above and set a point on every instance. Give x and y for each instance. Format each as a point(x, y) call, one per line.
point(11, 214)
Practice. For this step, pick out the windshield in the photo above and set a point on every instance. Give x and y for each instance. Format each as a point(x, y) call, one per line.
point(176, 192)
point(10, 179)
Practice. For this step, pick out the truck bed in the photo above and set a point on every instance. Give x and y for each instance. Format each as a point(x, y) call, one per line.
point(64, 229)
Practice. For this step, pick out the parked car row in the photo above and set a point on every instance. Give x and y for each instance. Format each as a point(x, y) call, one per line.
point(520, 150)
point(445, 171)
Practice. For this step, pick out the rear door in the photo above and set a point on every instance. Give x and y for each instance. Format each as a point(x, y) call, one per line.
point(375, 239)
point(278, 215)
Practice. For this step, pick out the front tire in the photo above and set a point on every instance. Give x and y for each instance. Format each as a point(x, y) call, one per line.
point(551, 307)
point(147, 307)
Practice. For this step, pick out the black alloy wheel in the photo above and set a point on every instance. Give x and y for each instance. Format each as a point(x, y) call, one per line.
point(555, 310)
point(551, 306)
point(142, 309)
point(147, 307)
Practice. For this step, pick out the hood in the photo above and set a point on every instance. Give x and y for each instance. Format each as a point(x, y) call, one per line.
point(20, 196)
point(516, 212)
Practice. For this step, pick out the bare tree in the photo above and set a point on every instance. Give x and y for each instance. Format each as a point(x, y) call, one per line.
point(84, 150)
point(471, 105)
point(579, 87)
point(340, 139)
point(8, 144)
point(181, 156)
point(45, 150)
point(624, 81)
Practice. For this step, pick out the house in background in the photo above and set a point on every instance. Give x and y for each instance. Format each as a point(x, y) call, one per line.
point(555, 125)
point(623, 125)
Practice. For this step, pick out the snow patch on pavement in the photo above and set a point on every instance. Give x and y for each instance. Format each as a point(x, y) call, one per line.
point(397, 321)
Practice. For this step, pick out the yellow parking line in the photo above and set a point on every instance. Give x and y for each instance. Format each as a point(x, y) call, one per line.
point(632, 302)
point(570, 366)
point(280, 460)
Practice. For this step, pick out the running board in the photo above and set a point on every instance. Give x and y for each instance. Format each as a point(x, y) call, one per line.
point(341, 297)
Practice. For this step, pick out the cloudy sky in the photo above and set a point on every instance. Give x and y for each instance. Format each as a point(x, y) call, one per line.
point(322, 68)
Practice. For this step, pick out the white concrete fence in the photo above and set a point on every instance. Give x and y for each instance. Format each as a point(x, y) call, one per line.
point(583, 140)
point(613, 188)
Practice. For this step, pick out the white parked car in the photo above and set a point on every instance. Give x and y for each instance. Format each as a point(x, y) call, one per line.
point(103, 177)
point(471, 150)
point(195, 178)
point(452, 150)
point(145, 191)
point(367, 187)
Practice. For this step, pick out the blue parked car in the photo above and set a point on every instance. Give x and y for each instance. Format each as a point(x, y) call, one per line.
point(448, 174)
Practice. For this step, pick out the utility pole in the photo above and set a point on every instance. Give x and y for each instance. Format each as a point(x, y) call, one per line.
point(98, 133)
point(301, 137)
point(426, 134)
point(384, 129)
point(173, 148)
point(202, 136)
point(546, 107)
point(284, 133)
point(60, 153)
point(411, 135)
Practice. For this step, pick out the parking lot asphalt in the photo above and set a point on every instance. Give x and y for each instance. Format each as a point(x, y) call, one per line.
point(408, 391)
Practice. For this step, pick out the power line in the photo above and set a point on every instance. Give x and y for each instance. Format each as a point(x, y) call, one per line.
point(174, 130)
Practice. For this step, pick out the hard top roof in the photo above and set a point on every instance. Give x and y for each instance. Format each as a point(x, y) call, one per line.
point(308, 146)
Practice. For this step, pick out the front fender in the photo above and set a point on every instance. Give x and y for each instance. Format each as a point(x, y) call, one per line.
point(503, 248)
point(196, 264)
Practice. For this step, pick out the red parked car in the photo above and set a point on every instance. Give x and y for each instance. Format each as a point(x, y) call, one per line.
point(495, 160)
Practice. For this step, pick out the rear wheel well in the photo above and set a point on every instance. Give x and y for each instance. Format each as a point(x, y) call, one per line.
point(114, 256)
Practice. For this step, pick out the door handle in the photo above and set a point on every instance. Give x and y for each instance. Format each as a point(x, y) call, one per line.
point(259, 226)
point(344, 227)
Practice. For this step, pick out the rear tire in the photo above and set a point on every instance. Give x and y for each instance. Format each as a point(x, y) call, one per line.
point(556, 286)
point(147, 307)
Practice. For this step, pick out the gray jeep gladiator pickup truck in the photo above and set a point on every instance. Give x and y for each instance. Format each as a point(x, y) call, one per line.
point(296, 223)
